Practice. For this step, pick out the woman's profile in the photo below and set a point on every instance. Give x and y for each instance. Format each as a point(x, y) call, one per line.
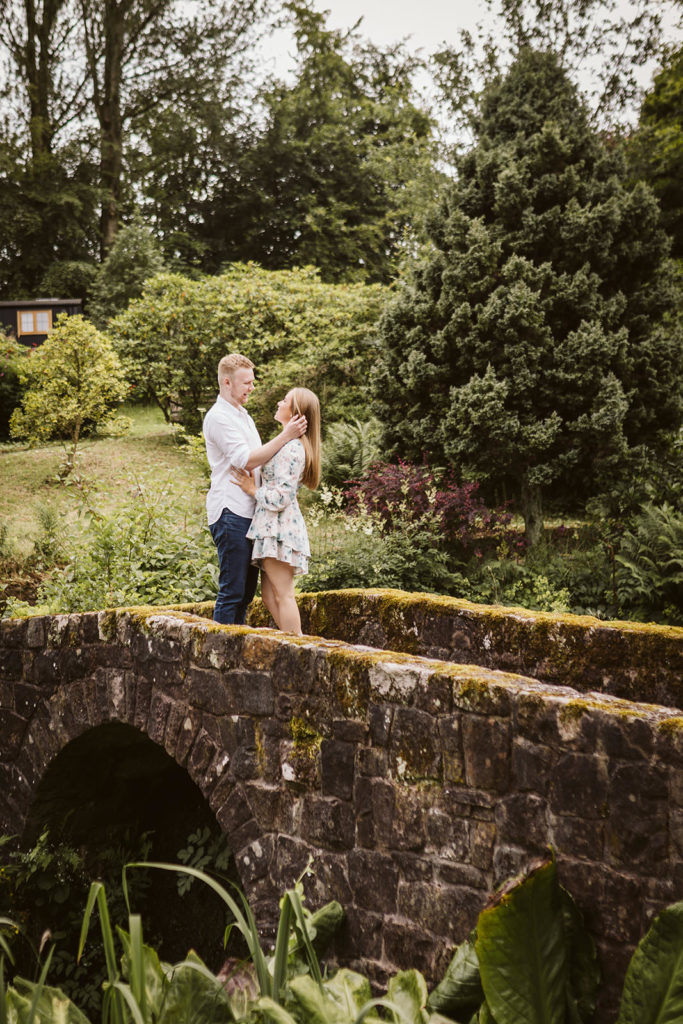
point(277, 529)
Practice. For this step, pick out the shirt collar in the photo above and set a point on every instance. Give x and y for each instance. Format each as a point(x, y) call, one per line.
point(225, 404)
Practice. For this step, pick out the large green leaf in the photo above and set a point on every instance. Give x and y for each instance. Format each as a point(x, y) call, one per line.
point(653, 990)
point(407, 991)
point(317, 1005)
point(459, 993)
point(351, 991)
point(194, 996)
point(51, 1005)
point(522, 951)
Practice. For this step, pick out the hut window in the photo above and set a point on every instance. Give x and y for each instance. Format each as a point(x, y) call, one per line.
point(34, 321)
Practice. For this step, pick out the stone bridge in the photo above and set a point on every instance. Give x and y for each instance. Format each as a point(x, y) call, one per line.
point(416, 779)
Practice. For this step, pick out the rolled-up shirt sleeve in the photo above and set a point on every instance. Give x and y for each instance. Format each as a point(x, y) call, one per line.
point(288, 465)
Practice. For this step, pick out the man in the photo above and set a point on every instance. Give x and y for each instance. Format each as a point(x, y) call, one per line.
point(232, 441)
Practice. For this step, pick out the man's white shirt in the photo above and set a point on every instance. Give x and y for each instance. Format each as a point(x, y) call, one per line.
point(230, 434)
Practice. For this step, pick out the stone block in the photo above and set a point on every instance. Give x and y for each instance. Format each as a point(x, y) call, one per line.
point(7, 700)
point(621, 909)
point(577, 837)
point(188, 727)
point(448, 836)
point(414, 748)
point(669, 741)
point(480, 693)
point(532, 766)
point(250, 693)
point(143, 696)
point(452, 759)
point(364, 931)
point(535, 719)
point(373, 878)
point(329, 880)
point(625, 737)
point(579, 786)
point(159, 708)
point(407, 945)
point(350, 730)
point(459, 875)
point(433, 694)
point(45, 670)
point(328, 823)
point(372, 761)
point(11, 664)
point(486, 743)
point(253, 861)
point(380, 718)
point(200, 757)
point(482, 840)
point(292, 856)
point(508, 861)
point(12, 729)
point(414, 867)
point(36, 631)
point(13, 633)
point(446, 910)
point(522, 819)
point(337, 768)
point(637, 829)
point(26, 698)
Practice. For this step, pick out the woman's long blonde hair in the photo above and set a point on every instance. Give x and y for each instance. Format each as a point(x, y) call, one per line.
point(305, 403)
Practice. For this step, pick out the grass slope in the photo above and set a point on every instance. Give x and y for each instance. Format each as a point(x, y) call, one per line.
point(108, 471)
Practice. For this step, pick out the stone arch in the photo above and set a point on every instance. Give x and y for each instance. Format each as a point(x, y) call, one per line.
point(82, 706)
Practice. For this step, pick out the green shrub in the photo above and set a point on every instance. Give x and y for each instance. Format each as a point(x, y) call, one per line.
point(136, 555)
point(12, 356)
point(74, 381)
point(68, 279)
point(297, 330)
point(358, 549)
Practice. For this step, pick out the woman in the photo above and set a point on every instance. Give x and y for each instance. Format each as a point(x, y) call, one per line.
point(278, 530)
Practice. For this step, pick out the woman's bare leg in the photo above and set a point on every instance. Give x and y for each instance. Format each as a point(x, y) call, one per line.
point(281, 578)
point(270, 598)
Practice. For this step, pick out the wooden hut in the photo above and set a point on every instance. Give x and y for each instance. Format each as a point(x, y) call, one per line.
point(31, 320)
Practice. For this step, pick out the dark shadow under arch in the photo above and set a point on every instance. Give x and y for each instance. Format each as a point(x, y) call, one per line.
point(108, 788)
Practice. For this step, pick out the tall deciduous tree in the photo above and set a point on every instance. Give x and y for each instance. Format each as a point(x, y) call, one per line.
point(656, 148)
point(529, 344)
point(341, 167)
point(96, 70)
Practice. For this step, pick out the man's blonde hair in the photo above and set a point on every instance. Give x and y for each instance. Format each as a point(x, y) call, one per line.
point(230, 363)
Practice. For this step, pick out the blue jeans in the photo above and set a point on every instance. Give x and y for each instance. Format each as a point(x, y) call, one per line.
point(237, 577)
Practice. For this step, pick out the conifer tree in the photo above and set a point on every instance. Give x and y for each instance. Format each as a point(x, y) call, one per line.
point(528, 344)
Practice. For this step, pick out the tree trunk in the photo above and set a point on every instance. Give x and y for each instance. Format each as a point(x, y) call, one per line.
point(36, 58)
point(532, 511)
point(109, 113)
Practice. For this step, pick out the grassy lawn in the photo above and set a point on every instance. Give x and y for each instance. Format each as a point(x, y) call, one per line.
point(108, 471)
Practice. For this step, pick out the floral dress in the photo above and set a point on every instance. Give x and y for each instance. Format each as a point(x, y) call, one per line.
point(278, 529)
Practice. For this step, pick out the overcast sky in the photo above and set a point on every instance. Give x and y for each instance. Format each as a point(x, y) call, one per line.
point(425, 24)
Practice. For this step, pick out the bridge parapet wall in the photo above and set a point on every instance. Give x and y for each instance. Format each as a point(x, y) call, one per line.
point(634, 660)
point(416, 784)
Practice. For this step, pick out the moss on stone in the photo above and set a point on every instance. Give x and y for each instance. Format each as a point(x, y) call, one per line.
point(671, 726)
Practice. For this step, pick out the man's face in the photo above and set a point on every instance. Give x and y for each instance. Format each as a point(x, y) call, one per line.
point(240, 385)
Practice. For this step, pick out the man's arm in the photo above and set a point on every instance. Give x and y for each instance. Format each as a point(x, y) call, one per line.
point(295, 428)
